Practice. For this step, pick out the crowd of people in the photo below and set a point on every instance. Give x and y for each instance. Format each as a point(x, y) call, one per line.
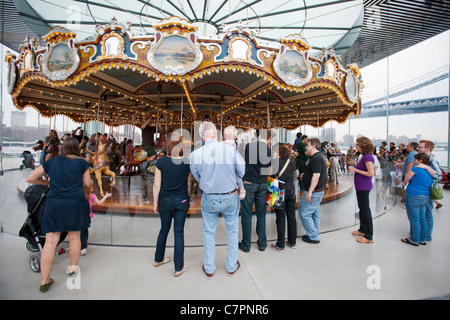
point(234, 182)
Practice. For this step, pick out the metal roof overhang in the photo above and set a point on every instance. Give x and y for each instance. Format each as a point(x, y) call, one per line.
point(388, 26)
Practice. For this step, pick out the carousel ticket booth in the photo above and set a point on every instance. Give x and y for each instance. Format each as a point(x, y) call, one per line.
point(179, 78)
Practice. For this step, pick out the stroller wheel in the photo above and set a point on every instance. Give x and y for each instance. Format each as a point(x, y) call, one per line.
point(35, 263)
point(31, 247)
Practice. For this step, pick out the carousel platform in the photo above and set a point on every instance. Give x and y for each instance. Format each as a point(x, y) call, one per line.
point(127, 195)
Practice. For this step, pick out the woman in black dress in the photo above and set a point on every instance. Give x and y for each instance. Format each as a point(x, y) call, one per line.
point(66, 208)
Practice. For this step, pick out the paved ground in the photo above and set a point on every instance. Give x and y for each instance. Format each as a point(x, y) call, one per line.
point(337, 268)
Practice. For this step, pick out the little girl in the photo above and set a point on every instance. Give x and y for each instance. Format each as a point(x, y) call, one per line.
point(90, 197)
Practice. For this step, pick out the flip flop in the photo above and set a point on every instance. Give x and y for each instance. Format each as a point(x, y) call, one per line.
point(44, 287)
point(179, 273)
point(364, 240)
point(157, 264)
point(406, 240)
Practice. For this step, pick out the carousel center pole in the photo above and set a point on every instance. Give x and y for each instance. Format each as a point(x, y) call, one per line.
point(85, 113)
point(134, 122)
point(181, 115)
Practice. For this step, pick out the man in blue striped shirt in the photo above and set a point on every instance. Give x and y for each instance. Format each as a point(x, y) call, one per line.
point(214, 166)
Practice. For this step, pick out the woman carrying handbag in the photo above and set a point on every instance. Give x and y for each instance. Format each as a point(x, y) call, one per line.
point(286, 170)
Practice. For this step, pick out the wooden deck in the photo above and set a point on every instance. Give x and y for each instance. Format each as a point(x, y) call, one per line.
point(127, 196)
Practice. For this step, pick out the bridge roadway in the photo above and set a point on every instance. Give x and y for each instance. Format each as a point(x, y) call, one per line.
point(436, 104)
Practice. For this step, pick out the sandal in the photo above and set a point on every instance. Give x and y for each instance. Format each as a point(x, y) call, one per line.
point(44, 287)
point(364, 240)
point(439, 205)
point(157, 264)
point(72, 271)
point(357, 233)
point(406, 240)
point(179, 273)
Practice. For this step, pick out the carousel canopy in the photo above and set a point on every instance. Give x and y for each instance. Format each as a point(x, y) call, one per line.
point(178, 73)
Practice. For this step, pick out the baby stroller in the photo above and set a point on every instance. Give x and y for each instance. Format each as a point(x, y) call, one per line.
point(28, 160)
point(36, 196)
point(445, 179)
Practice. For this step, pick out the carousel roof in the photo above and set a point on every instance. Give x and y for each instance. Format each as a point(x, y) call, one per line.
point(386, 28)
point(230, 78)
point(232, 62)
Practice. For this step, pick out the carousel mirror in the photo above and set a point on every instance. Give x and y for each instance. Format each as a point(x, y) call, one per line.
point(112, 45)
point(330, 70)
point(351, 87)
point(239, 50)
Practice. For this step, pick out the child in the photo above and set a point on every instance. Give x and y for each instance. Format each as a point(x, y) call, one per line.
point(91, 197)
point(91, 146)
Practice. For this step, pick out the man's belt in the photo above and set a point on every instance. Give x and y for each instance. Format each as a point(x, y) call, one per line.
point(231, 192)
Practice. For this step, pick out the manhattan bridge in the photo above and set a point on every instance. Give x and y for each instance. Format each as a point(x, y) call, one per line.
point(429, 93)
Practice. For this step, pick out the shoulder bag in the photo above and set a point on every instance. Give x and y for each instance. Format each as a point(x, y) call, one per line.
point(435, 191)
point(275, 190)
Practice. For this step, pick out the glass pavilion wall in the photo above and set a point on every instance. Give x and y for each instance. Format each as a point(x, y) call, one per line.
point(121, 225)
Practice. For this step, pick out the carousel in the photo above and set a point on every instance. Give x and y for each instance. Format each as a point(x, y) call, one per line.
point(179, 78)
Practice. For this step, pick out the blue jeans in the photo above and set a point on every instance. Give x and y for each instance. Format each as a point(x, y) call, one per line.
point(255, 192)
point(212, 205)
point(416, 207)
point(429, 218)
point(178, 207)
point(309, 213)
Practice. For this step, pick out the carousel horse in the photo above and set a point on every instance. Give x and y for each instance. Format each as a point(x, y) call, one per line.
point(323, 152)
point(334, 162)
point(39, 146)
point(101, 164)
point(161, 142)
point(148, 172)
point(135, 156)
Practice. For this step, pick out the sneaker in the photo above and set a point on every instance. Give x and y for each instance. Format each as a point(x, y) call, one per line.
point(307, 239)
point(83, 252)
point(234, 272)
point(276, 248)
point(241, 247)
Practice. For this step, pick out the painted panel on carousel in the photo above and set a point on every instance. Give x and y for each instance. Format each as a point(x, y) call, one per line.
point(174, 50)
point(291, 63)
point(61, 59)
